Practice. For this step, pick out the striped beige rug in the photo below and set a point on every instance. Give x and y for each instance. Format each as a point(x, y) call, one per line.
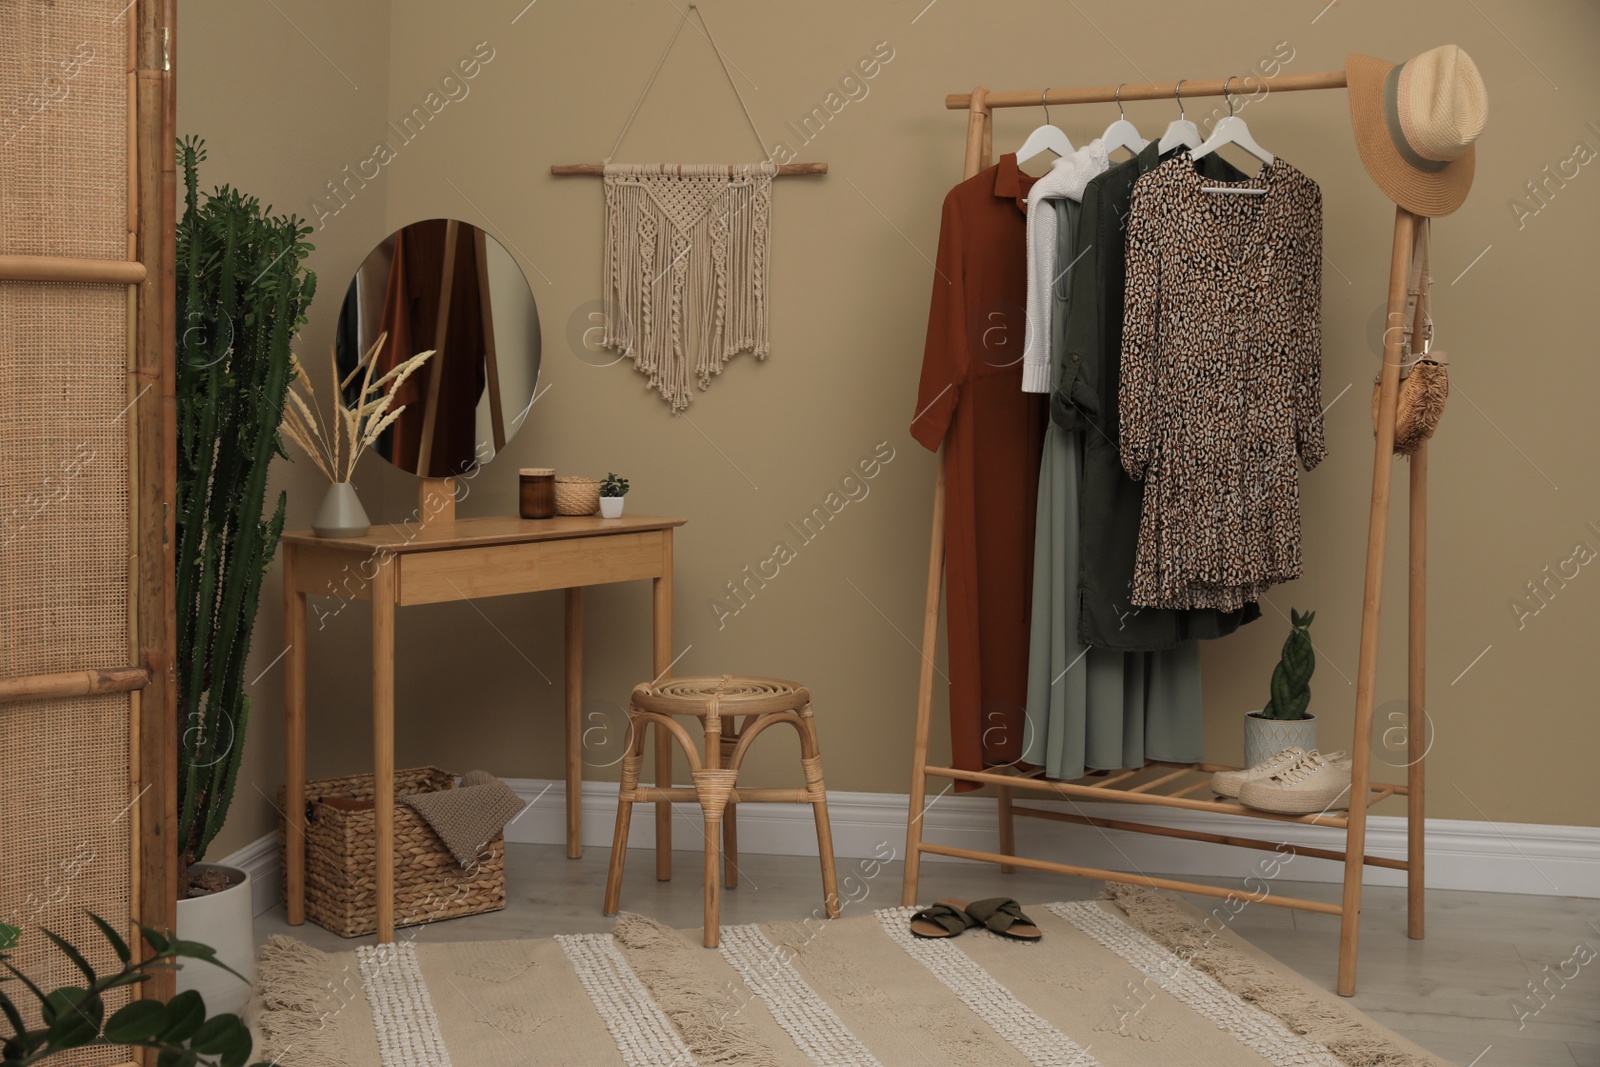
point(1132, 979)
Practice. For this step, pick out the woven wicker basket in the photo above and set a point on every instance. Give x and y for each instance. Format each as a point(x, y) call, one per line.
point(577, 496)
point(342, 859)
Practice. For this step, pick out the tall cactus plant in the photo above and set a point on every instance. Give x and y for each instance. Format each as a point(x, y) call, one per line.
point(242, 293)
point(1291, 678)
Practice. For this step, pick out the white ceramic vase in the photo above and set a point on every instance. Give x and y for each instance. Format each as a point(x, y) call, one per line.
point(225, 921)
point(341, 514)
point(1265, 738)
point(611, 507)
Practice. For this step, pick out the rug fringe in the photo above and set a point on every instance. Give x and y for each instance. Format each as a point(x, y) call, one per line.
point(300, 1004)
point(1169, 921)
point(707, 1019)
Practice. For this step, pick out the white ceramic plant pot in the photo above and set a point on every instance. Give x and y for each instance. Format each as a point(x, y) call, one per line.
point(1265, 738)
point(611, 506)
point(226, 922)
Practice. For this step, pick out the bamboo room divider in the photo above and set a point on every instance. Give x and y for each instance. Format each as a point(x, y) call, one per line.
point(88, 733)
point(1173, 786)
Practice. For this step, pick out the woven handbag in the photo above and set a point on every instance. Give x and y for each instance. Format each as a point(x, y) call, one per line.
point(1424, 376)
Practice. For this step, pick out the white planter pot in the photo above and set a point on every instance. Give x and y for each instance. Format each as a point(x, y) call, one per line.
point(1265, 738)
point(611, 506)
point(226, 922)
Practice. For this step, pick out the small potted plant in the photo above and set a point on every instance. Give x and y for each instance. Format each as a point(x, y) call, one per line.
point(612, 490)
point(183, 1030)
point(1284, 721)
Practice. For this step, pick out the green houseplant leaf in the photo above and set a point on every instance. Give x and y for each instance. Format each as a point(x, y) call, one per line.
point(74, 1017)
point(1291, 678)
point(242, 293)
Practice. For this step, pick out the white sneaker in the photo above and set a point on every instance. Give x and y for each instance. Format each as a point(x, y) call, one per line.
point(1228, 783)
point(1314, 784)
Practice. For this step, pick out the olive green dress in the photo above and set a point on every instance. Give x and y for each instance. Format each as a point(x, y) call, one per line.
point(1091, 708)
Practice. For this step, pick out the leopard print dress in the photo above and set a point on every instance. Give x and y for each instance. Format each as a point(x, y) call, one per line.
point(1221, 390)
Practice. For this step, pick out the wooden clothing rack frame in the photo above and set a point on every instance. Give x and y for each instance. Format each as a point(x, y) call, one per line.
point(1171, 785)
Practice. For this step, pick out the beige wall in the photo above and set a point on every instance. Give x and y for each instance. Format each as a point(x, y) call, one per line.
point(1513, 474)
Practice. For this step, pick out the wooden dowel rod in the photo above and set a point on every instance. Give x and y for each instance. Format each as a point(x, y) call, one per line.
point(1111, 780)
point(1105, 94)
point(1133, 879)
point(785, 170)
point(1372, 594)
point(678, 794)
point(1163, 780)
point(70, 269)
point(73, 684)
point(1201, 835)
point(930, 647)
point(775, 795)
point(1417, 691)
point(1091, 792)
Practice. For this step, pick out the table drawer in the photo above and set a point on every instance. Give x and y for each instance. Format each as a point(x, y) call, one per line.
point(503, 570)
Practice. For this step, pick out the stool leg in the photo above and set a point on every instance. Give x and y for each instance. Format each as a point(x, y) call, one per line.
point(663, 807)
point(625, 794)
point(730, 846)
point(713, 787)
point(811, 760)
point(730, 819)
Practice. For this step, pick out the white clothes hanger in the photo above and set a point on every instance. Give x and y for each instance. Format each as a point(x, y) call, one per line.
point(1231, 129)
point(1180, 131)
point(1045, 138)
point(1122, 133)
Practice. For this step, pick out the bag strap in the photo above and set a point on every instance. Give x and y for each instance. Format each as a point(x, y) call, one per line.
point(1418, 314)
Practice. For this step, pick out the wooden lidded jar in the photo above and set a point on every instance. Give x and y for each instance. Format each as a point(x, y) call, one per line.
point(538, 492)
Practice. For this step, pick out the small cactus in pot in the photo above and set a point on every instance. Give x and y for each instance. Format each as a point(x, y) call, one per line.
point(1284, 721)
point(1291, 678)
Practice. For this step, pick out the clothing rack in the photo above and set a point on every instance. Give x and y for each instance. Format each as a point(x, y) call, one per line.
point(1173, 785)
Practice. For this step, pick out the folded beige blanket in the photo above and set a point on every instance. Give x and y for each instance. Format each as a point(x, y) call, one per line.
point(468, 817)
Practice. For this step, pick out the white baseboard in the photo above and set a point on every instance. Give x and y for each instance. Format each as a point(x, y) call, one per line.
point(260, 858)
point(1536, 859)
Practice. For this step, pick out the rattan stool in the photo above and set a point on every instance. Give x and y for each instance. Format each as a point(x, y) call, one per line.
point(734, 711)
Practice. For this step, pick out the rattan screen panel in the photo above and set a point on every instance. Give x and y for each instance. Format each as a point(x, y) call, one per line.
point(64, 497)
point(67, 815)
point(64, 128)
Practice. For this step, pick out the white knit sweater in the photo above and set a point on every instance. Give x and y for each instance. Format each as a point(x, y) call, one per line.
point(1066, 179)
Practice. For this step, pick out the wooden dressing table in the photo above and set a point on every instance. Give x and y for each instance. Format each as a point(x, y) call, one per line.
point(450, 559)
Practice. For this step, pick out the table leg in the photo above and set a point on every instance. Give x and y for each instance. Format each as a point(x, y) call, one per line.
point(574, 722)
point(383, 597)
point(662, 665)
point(294, 721)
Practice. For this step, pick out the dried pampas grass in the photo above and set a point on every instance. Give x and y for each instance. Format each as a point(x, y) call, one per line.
point(356, 427)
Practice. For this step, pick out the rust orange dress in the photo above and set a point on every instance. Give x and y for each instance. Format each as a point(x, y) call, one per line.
point(971, 401)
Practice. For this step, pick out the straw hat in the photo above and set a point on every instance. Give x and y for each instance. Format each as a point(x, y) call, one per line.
point(1415, 123)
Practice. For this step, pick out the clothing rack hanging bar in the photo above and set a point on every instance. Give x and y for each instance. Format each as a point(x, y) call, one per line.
point(1106, 94)
point(979, 105)
point(785, 170)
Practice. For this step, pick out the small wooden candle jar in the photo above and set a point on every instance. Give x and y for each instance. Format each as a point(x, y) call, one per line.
point(538, 496)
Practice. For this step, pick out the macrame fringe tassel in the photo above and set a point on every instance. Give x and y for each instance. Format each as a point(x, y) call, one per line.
point(302, 997)
point(1170, 922)
point(686, 253)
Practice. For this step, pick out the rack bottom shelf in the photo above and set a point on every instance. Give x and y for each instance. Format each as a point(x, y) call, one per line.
point(1174, 884)
point(1144, 792)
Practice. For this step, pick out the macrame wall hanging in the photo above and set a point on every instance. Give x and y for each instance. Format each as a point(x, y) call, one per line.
point(686, 252)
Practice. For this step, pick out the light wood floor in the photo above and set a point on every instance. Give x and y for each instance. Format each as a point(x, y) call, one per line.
point(1451, 993)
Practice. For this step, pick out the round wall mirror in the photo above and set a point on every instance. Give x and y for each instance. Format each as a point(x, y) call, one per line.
point(444, 285)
